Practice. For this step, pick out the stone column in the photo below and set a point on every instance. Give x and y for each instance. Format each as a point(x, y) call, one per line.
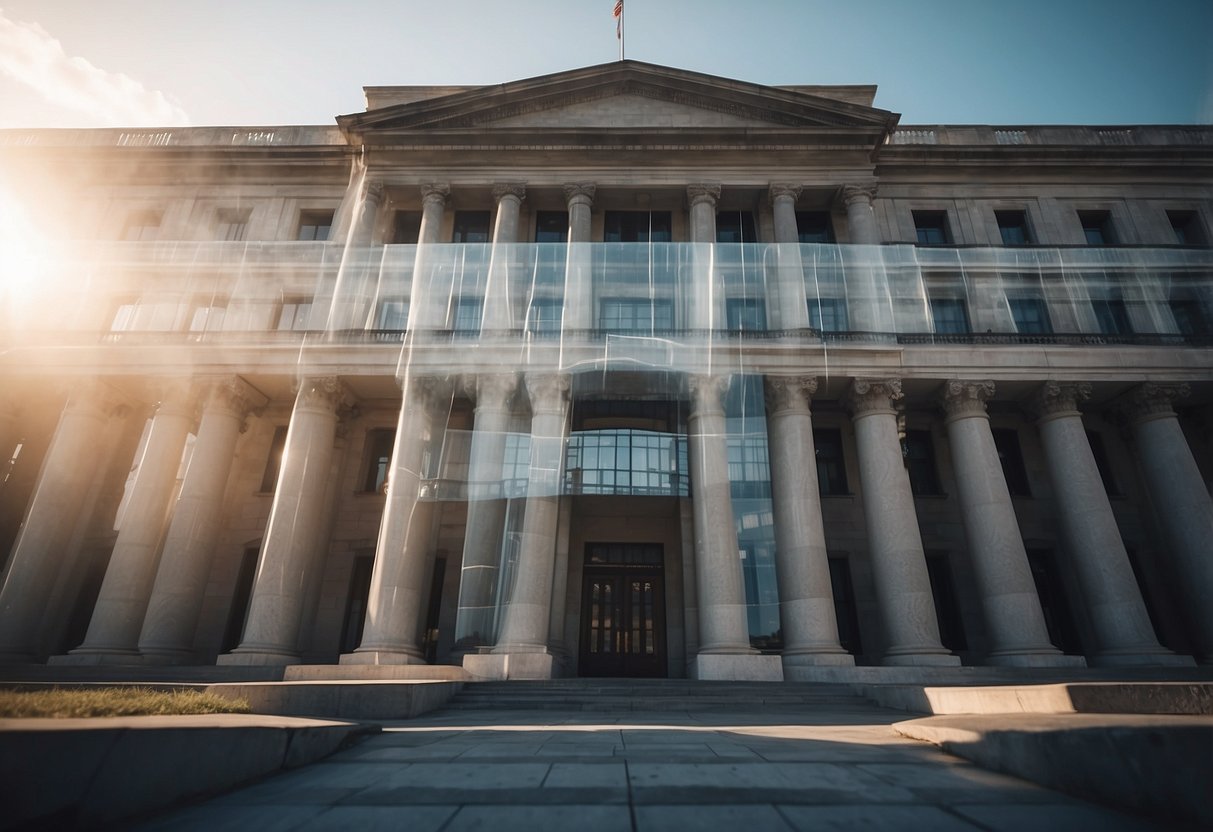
point(498, 307)
point(899, 566)
point(475, 625)
point(1180, 500)
point(433, 211)
point(522, 646)
point(860, 220)
point(51, 518)
point(1014, 619)
point(578, 283)
point(10, 433)
point(787, 302)
point(113, 631)
point(399, 591)
point(180, 586)
point(1122, 629)
point(868, 305)
point(806, 599)
point(703, 296)
point(724, 639)
point(428, 294)
point(367, 213)
point(293, 534)
point(702, 199)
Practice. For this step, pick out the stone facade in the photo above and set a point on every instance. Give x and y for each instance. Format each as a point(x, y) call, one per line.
point(626, 371)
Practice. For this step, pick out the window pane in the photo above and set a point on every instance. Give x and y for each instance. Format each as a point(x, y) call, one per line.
point(315, 225)
point(949, 316)
point(467, 315)
point(814, 227)
point(828, 315)
point(931, 227)
point(746, 315)
point(1013, 227)
point(392, 315)
point(1030, 315)
point(471, 227)
point(551, 226)
point(735, 227)
point(636, 227)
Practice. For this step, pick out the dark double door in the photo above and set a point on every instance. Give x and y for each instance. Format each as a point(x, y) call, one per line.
point(623, 610)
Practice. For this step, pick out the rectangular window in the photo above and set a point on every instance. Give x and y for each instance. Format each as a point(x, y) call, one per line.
point(828, 315)
point(544, 316)
point(1112, 316)
point(392, 315)
point(314, 225)
point(1187, 228)
point(746, 314)
point(949, 316)
point(1006, 442)
point(1013, 227)
point(931, 228)
point(814, 227)
point(636, 316)
point(1190, 316)
point(551, 226)
point(295, 314)
point(142, 226)
point(468, 314)
point(124, 316)
point(471, 227)
point(273, 463)
point(1100, 452)
point(231, 226)
point(636, 227)
point(831, 468)
point(379, 443)
point(735, 227)
point(1030, 314)
point(406, 228)
point(1097, 228)
point(920, 463)
point(207, 316)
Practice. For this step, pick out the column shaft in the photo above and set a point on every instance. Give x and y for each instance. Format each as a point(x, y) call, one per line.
point(498, 309)
point(430, 290)
point(705, 295)
point(787, 300)
point(578, 282)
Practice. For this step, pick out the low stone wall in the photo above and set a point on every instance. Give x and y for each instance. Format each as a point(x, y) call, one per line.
point(342, 699)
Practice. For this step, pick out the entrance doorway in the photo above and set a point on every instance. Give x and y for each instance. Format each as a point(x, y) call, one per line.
point(623, 610)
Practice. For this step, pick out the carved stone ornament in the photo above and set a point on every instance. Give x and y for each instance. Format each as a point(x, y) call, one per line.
point(175, 397)
point(435, 191)
point(504, 189)
point(548, 391)
point(373, 191)
point(789, 393)
point(707, 392)
point(1151, 401)
point(874, 395)
point(862, 193)
point(784, 191)
point(493, 390)
point(95, 398)
point(1056, 398)
point(324, 392)
point(703, 193)
point(579, 191)
point(962, 399)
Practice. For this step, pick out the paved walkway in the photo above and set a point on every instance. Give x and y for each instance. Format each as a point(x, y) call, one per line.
point(786, 769)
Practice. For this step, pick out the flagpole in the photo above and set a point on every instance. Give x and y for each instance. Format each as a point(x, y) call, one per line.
point(623, 30)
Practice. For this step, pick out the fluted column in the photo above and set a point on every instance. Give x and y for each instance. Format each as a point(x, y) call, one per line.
point(178, 592)
point(578, 284)
point(392, 632)
point(475, 625)
point(1122, 628)
point(802, 566)
point(294, 533)
point(899, 566)
point(1180, 501)
point(430, 289)
point(50, 521)
point(787, 303)
point(868, 305)
point(703, 294)
point(498, 309)
point(113, 631)
point(527, 614)
point(1014, 618)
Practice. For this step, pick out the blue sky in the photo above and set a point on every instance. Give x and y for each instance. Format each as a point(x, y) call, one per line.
point(130, 62)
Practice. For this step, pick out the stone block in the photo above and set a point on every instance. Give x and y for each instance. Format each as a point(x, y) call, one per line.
point(499, 666)
point(736, 667)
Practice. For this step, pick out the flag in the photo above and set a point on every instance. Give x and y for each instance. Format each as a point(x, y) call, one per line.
point(618, 15)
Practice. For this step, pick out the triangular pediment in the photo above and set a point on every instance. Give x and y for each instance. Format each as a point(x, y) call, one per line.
point(623, 95)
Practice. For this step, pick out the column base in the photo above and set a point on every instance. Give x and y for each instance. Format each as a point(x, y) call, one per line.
point(166, 656)
point(500, 666)
point(97, 656)
point(736, 667)
point(934, 658)
point(1034, 658)
point(839, 658)
point(252, 658)
point(380, 657)
point(1143, 658)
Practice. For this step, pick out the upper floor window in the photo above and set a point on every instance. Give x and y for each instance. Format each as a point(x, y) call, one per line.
point(636, 315)
point(273, 462)
point(931, 228)
point(1190, 316)
point(314, 225)
point(471, 227)
point(920, 463)
point(949, 315)
point(406, 228)
point(1030, 314)
point(124, 316)
point(1012, 227)
point(551, 226)
point(828, 315)
point(1187, 228)
point(735, 227)
point(1097, 228)
point(392, 315)
point(468, 314)
point(207, 316)
point(379, 444)
point(746, 314)
point(831, 469)
point(814, 227)
point(231, 225)
point(1112, 316)
point(1006, 442)
point(142, 225)
point(544, 316)
point(294, 314)
point(636, 227)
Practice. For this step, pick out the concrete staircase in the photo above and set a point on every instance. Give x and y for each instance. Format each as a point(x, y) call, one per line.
point(617, 695)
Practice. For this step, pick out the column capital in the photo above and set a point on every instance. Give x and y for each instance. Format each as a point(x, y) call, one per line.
point(873, 395)
point(93, 397)
point(548, 391)
point(962, 399)
point(435, 191)
point(1058, 398)
point(322, 393)
point(580, 192)
point(858, 193)
point(235, 394)
point(704, 192)
point(427, 389)
point(493, 390)
point(783, 191)
point(175, 397)
point(1151, 401)
point(502, 190)
point(373, 190)
point(789, 393)
point(706, 393)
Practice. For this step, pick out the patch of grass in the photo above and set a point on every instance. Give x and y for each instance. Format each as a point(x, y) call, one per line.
point(116, 701)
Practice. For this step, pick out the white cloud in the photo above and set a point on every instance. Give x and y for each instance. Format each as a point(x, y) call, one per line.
point(31, 56)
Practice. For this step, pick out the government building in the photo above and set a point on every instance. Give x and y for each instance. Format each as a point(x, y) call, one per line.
point(620, 371)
